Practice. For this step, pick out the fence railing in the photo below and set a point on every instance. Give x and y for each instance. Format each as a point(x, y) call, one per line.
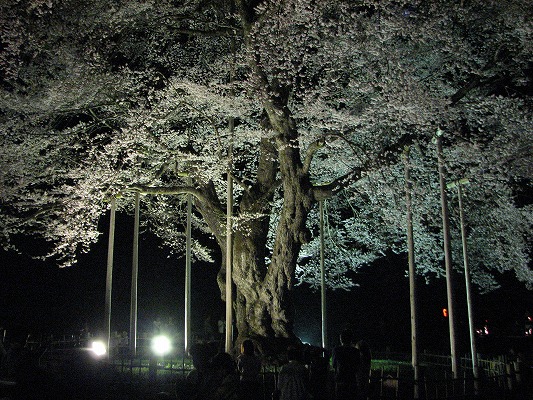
point(391, 379)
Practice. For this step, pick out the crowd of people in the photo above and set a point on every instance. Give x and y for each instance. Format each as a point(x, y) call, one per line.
point(307, 373)
point(351, 365)
point(20, 375)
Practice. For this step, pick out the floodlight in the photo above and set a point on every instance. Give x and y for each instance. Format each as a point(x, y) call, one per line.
point(98, 348)
point(161, 345)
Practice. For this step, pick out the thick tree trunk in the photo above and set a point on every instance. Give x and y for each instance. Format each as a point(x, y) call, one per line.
point(263, 294)
point(263, 302)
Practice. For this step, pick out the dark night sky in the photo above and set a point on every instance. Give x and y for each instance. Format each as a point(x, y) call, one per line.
point(43, 298)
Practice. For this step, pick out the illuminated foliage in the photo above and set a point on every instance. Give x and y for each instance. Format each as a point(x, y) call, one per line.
point(303, 101)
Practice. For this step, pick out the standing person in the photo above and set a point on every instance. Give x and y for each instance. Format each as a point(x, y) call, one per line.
point(249, 367)
point(226, 380)
point(198, 381)
point(293, 378)
point(363, 379)
point(209, 332)
point(221, 328)
point(346, 365)
point(318, 364)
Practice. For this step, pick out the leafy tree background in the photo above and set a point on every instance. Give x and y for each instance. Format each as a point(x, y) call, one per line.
point(300, 102)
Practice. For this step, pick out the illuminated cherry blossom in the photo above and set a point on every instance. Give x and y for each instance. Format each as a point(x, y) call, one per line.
point(300, 101)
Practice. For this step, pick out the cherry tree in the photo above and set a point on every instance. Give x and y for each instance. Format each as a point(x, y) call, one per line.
point(299, 102)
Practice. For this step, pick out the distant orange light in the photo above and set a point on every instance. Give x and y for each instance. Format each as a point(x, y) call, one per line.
point(445, 313)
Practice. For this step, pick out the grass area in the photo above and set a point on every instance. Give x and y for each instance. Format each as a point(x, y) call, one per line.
point(389, 365)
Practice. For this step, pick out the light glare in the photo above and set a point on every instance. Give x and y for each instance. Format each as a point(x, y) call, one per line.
point(161, 345)
point(98, 348)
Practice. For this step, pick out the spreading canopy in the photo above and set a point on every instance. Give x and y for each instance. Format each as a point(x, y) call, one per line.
point(300, 102)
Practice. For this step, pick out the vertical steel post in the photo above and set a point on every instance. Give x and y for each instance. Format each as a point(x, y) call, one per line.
point(134, 278)
point(447, 253)
point(188, 329)
point(322, 277)
point(109, 273)
point(229, 269)
point(229, 216)
point(468, 287)
point(412, 272)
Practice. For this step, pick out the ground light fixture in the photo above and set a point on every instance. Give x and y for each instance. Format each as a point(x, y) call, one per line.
point(98, 348)
point(161, 345)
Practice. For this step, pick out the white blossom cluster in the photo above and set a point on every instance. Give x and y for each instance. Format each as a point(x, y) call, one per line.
point(103, 99)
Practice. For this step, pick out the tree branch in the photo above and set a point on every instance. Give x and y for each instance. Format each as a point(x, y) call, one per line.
point(311, 151)
point(462, 92)
point(35, 214)
point(474, 83)
point(387, 156)
point(168, 190)
point(277, 117)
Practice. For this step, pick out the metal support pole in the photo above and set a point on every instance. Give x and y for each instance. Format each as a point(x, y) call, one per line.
point(188, 329)
point(447, 253)
point(229, 216)
point(322, 277)
point(109, 274)
point(134, 277)
point(412, 272)
point(229, 269)
point(468, 286)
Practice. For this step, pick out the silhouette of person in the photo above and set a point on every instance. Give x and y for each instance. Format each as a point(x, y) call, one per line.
point(318, 373)
point(225, 374)
point(293, 378)
point(209, 332)
point(197, 381)
point(221, 328)
point(249, 367)
point(346, 364)
point(363, 379)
